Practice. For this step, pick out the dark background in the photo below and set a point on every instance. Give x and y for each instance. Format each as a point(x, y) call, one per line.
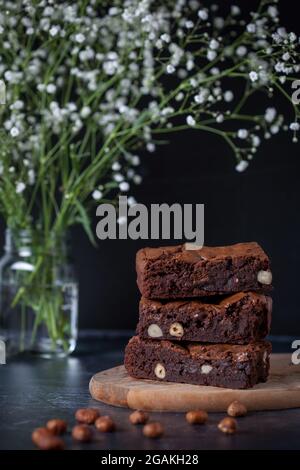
point(260, 204)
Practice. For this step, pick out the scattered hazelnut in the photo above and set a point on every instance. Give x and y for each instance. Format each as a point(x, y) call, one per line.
point(264, 277)
point(236, 408)
point(87, 415)
point(153, 430)
point(196, 417)
point(82, 433)
point(206, 368)
point(45, 440)
point(56, 426)
point(105, 424)
point(176, 329)
point(228, 425)
point(160, 371)
point(154, 331)
point(138, 417)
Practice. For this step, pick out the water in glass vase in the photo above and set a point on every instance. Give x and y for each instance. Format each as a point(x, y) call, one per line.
point(38, 296)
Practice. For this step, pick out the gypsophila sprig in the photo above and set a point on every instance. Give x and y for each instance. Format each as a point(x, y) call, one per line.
point(90, 83)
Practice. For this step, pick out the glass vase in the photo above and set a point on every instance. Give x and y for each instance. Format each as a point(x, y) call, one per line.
point(38, 296)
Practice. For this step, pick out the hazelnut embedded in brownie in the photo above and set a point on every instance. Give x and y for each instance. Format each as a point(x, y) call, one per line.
point(240, 318)
point(181, 272)
point(219, 365)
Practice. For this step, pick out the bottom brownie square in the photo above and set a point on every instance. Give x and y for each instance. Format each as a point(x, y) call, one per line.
point(218, 365)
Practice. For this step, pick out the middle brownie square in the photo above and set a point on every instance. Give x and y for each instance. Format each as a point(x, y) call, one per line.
point(240, 318)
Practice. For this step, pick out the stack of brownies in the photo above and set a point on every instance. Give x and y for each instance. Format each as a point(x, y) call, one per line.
point(204, 314)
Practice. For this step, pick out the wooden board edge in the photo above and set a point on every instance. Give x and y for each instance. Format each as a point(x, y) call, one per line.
point(141, 400)
point(104, 394)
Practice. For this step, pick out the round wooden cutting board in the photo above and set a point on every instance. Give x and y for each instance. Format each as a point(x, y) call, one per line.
point(116, 387)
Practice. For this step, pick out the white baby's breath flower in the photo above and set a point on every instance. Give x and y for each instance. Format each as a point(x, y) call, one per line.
point(274, 129)
point(97, 195)
point(80, 38)
point(131, 201)
point(150, 147)
point(273, 11)
point(228, 96)
point(279, 67)
point(124, 186)
point(241, 51)
point(85, 112)
point(116, 166)
point(165, 37)
point(203, 14)
point(118, 177)
point(189, 24)
point(31, 177)
point(270, 114)
point(20, 187)
point(235, 10)
point(135, 160)
point(251, 28)
point(242, 133)
point(211, 55)
point(113, 11)
point(41, 87)
point(54, 30)
point(286, 56)
point(190, 120)
point(179, 96)
point(255, 141)
point(242, 166)
point(253, 76)
point(219, 22)
point(17, 105)
point(214, 44)
point(51, 88)
point(294, 126)
point(170, 68)
point(14, 132)
point(137, 179)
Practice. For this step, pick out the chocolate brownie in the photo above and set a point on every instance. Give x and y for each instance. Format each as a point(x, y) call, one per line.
point(241, 318)
point(219, 365)
point(181, 272)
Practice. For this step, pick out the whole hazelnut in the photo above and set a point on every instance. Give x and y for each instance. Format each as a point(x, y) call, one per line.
point(228, 425)
point(56, 426)
point(196, 417)
point(264, 277)
point(154, 331)
point(236, 408)
point(176, 329)
point(45, 440)
point(105, 424)
point(87, 415)
point(82, 433)
point(138, 417)
point(160, 371)
point(153, 430)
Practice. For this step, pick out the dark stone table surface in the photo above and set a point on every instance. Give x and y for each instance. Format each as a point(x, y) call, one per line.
point(33, 390)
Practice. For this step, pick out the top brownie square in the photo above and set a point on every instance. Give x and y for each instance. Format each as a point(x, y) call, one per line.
point(183, 271)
